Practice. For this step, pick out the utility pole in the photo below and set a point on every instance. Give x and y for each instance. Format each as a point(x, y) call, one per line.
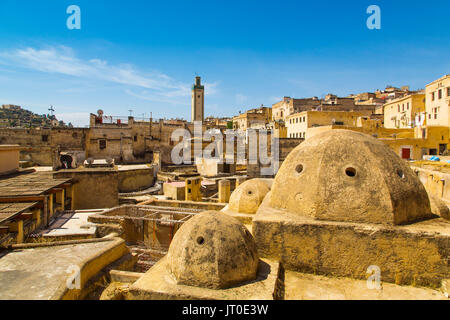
point(51, 109)
point(151, 120)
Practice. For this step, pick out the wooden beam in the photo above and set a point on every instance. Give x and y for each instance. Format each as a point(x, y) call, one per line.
point(53, 191)
point(25, 216)
point(21, 199)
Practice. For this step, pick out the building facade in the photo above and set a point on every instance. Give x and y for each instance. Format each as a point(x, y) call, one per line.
point(438, 102)
point(405, 112)
point(253, 119)
point(298, 124)
point(288, 106)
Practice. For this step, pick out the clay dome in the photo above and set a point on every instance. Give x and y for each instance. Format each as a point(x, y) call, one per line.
point(212, 250)
point(342, 175)
point(248, 196)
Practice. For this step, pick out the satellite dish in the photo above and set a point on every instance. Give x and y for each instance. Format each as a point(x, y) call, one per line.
point(100, 112)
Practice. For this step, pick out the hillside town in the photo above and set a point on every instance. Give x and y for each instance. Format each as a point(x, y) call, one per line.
point(12, 116)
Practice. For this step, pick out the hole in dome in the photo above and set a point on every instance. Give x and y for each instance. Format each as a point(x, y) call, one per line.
point(351, 172)
point(249, 192)
point(400, 173)
point(200, 240)
point(299, 168)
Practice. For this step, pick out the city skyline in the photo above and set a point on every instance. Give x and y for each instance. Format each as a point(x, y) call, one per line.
point(133, 57)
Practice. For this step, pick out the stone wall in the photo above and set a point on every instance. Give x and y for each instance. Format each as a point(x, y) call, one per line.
point(39, 145)
point(88, 194)
point(132, 180)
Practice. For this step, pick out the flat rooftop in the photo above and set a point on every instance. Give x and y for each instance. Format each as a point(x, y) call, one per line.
point(9, 147)
point(38, 273)
point(10, 210)
point(32, 184)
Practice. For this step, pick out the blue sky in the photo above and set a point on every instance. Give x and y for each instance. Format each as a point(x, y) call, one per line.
point(143, 55)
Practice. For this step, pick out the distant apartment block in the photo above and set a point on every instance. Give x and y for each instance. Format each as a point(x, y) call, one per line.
point(298, 124)
point(11, 107)
point(438, 102)
point(253, 119)
point(405, 112)
point(288, 106)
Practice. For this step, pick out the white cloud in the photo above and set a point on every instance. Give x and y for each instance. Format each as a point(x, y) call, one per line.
point(240, 98)
point(63, 60)
point(274, 99)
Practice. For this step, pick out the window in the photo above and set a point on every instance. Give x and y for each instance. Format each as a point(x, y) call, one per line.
point(407, 106)
point(135, 138)
point(432, 96)
point(440, 94)
point(398, 108)
point(44, 138)
point(448, 92)
point(102, 144)
point(435, 115)
point(403, 107)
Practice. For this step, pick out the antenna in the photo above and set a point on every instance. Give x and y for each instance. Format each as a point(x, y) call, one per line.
point(131, 112)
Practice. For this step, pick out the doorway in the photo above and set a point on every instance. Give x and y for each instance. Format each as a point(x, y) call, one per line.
point(406, 153)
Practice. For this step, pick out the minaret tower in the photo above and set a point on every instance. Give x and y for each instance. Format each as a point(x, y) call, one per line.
point(198, 101)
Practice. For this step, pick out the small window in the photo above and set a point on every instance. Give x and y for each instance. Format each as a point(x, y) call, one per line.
point(440, 94)
point(135, 138)
point(102, 144)
point(45, 138)
point(432, 96)
point(448, 92)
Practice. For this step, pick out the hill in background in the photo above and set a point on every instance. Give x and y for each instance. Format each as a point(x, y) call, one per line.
point(12, 116)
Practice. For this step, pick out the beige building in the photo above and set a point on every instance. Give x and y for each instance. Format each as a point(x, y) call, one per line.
point(198, 101)
point(405, 112)
point(298, 124)
point(253, 119)
point(288, 106)
point(9, 158)
point(11, 107)
point(438, 102)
